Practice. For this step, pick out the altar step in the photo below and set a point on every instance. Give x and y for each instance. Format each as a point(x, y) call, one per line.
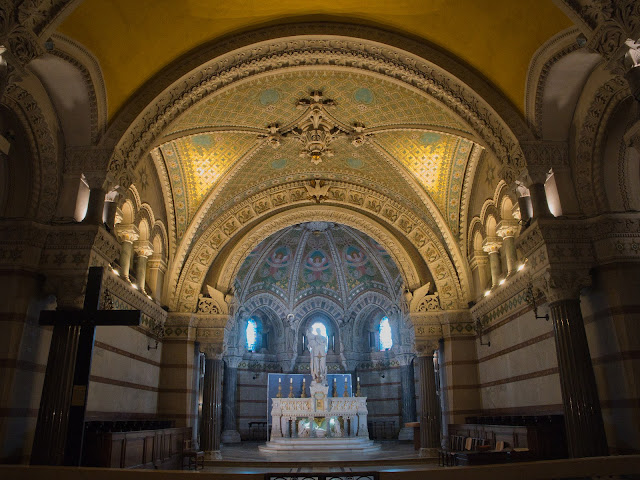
point(320, 445)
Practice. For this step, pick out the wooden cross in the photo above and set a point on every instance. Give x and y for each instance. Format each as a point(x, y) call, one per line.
point(49, 447)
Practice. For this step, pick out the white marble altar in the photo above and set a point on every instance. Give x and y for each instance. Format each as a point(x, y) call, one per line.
point(319, 422)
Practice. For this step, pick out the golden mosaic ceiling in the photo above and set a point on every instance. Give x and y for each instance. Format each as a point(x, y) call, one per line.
point(411, 136)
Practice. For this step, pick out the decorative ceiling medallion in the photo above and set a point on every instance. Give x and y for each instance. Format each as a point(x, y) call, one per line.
point(316, 129)
point(317, 190)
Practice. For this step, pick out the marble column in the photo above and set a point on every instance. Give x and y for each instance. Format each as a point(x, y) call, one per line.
point(143, 249)
point(127, 234)
point(212, 407)
point(230, 432)
point(407, 383)
point(429, 406)
point(53, 416)
point(491, 245)
point(95, 207)
point(507, 230)
point(582, 415)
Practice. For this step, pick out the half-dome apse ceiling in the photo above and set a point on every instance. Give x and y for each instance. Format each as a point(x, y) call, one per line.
point(318, 259)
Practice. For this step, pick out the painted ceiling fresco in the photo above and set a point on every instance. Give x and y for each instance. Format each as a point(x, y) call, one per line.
point(317, 258)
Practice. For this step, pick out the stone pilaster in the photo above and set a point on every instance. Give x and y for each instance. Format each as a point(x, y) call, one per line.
point(127, 234)
point(144, 250)
point(491, 245)
point(582, 414)
point(429, 404)
point(507, 230)
point(230, 432)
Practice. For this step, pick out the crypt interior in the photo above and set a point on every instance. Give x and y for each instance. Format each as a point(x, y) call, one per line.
point(450, 190)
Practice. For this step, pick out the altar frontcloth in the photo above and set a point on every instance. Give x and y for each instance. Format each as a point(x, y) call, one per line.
point(321, 445)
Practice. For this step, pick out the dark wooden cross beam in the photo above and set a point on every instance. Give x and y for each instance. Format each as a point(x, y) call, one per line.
point(60, 427)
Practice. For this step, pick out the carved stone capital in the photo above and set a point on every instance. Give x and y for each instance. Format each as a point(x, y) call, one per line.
point(157, 262)
point(564, 284)
point(492, 244)
point(212, 350)
point(232, 361)
point(127, 233)
point(426, 346)
point(143, 248)
point(508, 228)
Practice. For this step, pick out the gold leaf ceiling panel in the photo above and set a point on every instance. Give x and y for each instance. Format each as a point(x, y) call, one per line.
point(195, 164)
point(437, 160)
point(360, 98)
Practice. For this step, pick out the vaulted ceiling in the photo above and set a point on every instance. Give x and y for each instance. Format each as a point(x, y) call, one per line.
point(133, 40)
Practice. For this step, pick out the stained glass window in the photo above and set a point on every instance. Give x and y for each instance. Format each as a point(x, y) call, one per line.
point(386, 342)
point(252, 334)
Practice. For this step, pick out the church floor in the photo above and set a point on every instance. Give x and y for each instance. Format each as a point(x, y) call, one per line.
point(246, 458)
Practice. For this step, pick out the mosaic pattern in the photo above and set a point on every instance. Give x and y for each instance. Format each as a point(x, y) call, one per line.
point(195, 163)
point(358, 97)
point(438, 161)
point(296, 263)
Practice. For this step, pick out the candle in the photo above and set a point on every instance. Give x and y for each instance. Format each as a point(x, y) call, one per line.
point(279, 380)
point(358, 379)
point(291, 380)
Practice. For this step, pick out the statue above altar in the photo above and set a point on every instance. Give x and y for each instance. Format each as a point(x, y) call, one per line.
point(318, 353)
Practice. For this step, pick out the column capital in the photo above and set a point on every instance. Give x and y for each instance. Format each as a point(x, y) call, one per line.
point(491, 244)
point(564, 284)
point(508, 228)
point(212, 351)
point(426, 346)
point(156, 261)
point(127, 233)
point(143, 248)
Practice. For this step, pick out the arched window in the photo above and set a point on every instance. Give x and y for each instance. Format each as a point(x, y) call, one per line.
point(323, 330)
point(252, 335)
point(384, 330)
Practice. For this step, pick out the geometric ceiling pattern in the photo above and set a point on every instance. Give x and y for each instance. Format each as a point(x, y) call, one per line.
point(408, 132)
point(359, 98)
point(317, 258)
point(195, 163)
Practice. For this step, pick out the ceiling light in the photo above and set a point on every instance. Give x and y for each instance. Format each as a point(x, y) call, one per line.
point(487, 293)
point(501, 282)
point(521, 266)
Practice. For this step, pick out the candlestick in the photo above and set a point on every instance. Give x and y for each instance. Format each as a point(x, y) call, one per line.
point(358, 393)
point(334, 392)
point(279, 394)
point(345, 393)
point(291, 388)
point(304, 388)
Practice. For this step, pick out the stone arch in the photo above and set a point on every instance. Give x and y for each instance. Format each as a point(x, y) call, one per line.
point(475, 229)
point(129, 212)
point(159, 239)
point(44, 148)
point(417, 64)
point(219, 234)
point(431, 254)
point(491, 221)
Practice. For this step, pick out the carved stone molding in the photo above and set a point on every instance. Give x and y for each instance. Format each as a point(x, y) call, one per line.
point(607, 24)
point(233, 61)
point(541, 157)
point(44, 150)
point(214, 239)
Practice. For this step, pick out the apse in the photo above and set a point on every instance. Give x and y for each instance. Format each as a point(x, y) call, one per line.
point(325, 276)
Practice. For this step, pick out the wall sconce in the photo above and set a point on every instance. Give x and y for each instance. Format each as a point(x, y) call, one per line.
point(157, 330)
point(530, 298)
point(479, 330)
